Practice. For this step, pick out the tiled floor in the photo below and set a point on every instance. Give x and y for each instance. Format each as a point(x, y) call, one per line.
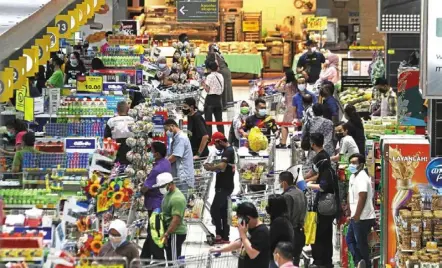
point(195, 242)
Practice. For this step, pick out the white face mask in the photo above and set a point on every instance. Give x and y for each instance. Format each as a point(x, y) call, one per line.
point(116, 241)
point(162, 65)
point(301, 87)
point(163, 190)
point(74, 62)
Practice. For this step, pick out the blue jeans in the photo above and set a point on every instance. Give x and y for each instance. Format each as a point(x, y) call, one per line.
point(357, 240)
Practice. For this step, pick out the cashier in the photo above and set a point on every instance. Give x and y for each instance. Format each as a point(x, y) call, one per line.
point(74, 67)
point(28, 141)
point(310, 63)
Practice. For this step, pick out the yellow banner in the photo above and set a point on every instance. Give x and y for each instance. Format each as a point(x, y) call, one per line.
point(93, 84)
point(250, 26)
point(63, 22)
point(54, 44)
point(82, 13)
point(90, 12)
point(75, 24)
point(366, 48)
point(6, 83)
point(29, 109)
point(317, 23)
point(31, 55)
point(18, 72)
point(43, 49)
point(20, 96)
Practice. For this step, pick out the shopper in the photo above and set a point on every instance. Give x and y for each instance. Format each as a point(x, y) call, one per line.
point(318, 124)
point(74, 67)
point(105, 46)
point(117, 128)
point(360, 198)
point(298, 102)
point(281, 229)
point(346, 144)
point(180, 156)
point(196, 129)
point(326, 183)
point(384, 98)
point(215, 55)
point(331, 105)
point(56, 80)
point(213, 107)
point(310, 63)
point(163, 70)
point(236, 129)
point(356, 127)
point(225, 171)
point(330, 71)
point(282, 255)
point(261, 119)
point(173, 207)
point(118, 246)
point(28, 142)
point(307, 103)
point(289, 88)
point(297, 209)
point(254, 247)
point(16, 129)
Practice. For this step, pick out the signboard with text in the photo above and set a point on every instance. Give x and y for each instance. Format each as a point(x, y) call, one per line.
point(92, 84)
point(197, 10)
point(128, 27)
point(80, 145)
point(317, 23)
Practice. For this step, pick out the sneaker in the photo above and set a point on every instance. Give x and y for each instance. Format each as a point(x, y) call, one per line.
point(362, 264)
point(281, 146)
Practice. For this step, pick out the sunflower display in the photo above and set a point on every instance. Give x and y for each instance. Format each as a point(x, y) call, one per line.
point(96, 246)
point(94, 189)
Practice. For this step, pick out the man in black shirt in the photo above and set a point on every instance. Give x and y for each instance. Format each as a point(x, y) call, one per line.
point(254, 239)
point(310, 63)
point(261, 119)
point(196, 129)
point(225, 171)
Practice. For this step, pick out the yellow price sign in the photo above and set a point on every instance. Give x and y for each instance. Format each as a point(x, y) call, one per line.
point(93, 84)
point(29, 109)
point(250, 26)
point(317, 23)
point(20, 96)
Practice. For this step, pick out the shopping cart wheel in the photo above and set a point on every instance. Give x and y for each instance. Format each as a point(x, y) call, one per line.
point(210, 239)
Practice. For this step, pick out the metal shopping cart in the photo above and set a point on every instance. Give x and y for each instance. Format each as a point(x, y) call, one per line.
point(201, 261)
point(103, 262)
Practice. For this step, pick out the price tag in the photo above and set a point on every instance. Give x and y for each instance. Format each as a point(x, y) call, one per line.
point(20, 96)
point(93, 84)
point(317, 23)
point(250, 26)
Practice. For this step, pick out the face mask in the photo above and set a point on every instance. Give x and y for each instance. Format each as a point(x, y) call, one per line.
point(164, 190)
point(301, 87)
point(74, 62)
point(245, 110)
point(339, 135)
point(162, 65)
point(116, 241)
point(315, 168)
point(151, 157)
point(11, 135)
point(186, 111)
point(353, 168)
point(169, 134)
point(262, 112)
point(314, 49)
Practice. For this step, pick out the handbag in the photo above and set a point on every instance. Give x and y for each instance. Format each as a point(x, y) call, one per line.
point(327, 203)
point(305, 142)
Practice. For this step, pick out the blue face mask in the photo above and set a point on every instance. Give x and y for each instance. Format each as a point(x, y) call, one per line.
point(11, 135)
point(262, 112)
point(169, 134)
point(353, 168)
point(151, 157)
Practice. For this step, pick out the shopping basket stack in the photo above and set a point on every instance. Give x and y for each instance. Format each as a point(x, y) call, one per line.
point(201, 261)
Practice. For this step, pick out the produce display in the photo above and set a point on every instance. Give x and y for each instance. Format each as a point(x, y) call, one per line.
point(358, 97)
point(378, 126)
point(235, 47)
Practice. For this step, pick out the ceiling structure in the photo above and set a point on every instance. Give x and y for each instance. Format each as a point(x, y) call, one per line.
point(13, 12)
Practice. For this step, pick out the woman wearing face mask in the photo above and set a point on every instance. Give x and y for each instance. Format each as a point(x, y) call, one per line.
point(163, 70)
point(236, 130)
point(298, 100)
point(281, 229)
point(16, 130)
point(74, 67)
point(346, 145)
point(118, 246)
point(330, 70)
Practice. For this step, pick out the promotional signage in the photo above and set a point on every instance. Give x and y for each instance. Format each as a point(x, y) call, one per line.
point(434, 173)
point(29, 109)
point(93, 84)
point(353, 17)
point(114, 86)
point(80, 145)
point(197, 11)
point(250, 26)
point(431, 43)
point(317, 23)
point(20, 96)
point(63, 23)
point(128, 27)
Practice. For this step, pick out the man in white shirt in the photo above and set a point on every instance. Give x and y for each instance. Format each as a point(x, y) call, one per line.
point(346, 145)
point(362, 219)
point(214, 86)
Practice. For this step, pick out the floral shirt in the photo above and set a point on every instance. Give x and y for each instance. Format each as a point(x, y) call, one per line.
point(318, 124)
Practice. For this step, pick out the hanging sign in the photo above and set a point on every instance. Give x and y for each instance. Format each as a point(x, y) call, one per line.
point(63, 23)
point(317, 23)
point(93, 84)
point(89, 7)
point(6, 85)
point(43, 49)
point(197, 11)
point(128, 27)
point(75, 24)
point(20, 96)
point(31, 55)
point(18, 72)
point(250, 26)
point(82, 13)
point(54, 44)
point(29, 109)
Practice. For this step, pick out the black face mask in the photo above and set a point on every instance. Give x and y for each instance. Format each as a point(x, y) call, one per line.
point(339, 135)
point(186, 111)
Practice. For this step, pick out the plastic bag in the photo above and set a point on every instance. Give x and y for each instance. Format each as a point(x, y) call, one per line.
point(310, 227)
point(257, 140)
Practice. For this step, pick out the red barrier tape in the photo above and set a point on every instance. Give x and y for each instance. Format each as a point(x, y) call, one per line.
point(282, 124)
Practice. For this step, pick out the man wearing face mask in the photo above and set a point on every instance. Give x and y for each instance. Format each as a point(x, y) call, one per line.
point(346, 144)
point(283, 255)
point(196, 129)
point(261, 119)
point(181, 156)
point(384, 99)
point(298, 99)
point(118, 246)
point(254, 239)
point(173, 207)
point(362, 219)
point(225, 171)
point(310, 63)
point(74, 67)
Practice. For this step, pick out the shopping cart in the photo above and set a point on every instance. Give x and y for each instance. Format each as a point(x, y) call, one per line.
point(227, 260)
point(103, 262)
point(259, 199)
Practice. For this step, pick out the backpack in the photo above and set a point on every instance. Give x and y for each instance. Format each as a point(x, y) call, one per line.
point(156, 226)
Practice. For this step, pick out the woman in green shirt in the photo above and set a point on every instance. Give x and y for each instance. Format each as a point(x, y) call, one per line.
point(57, 78)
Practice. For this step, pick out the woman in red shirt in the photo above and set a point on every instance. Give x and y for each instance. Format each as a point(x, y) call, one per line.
point(16, 129)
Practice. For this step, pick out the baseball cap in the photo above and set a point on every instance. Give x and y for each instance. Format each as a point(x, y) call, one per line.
point(216, 137)
point(163, 179)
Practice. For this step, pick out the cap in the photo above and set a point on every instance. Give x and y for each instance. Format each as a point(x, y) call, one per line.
point(310, 43)
point(163, 179)
point(216, 137)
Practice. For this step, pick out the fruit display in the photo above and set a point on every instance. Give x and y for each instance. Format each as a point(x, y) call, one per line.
point(360, 98)
point(378, 126)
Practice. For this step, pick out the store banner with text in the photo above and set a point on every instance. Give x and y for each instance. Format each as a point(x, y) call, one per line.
point(54, 45)
point(317, 23)
point(92, 84)
point(63, 23)
point(6, 84)
point(250, 26)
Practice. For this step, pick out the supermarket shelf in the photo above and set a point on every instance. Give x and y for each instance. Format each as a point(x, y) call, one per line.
point(174, 22)
point(35, 259)
point(65, 170)
point(43, 182)
point(12, 206)
point(212, 34)
point(70, 116)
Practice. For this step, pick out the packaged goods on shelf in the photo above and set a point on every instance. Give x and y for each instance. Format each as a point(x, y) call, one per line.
point(378, 126)
point(120, 61)
point(77, 127)
point(235, 47)
point(71, 106)
point(55, 160)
